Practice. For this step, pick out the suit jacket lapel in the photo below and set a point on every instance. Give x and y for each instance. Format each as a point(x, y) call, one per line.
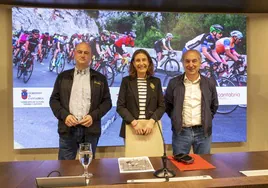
point(69, 85)
point(134, 88)
point(149, 91)
point(92, 87)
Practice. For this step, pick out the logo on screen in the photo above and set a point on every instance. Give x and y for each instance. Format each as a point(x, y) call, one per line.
point(24, 94)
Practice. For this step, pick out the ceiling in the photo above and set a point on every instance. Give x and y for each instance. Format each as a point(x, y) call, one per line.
point(210, 6)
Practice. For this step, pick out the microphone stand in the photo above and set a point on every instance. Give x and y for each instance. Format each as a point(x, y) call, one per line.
point(163, 172)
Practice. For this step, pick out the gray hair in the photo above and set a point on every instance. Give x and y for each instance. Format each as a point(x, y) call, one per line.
point(195, 51)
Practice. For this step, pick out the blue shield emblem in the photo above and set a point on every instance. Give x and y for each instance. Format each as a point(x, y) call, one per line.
point(24, 94)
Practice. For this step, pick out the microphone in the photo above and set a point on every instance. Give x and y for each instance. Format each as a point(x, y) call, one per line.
point(163, 172)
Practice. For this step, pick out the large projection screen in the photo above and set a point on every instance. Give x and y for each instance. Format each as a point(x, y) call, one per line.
point(34, 124)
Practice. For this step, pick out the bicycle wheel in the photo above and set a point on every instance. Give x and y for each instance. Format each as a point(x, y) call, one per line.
point(50, 67)
point(205, 69)
point(125, 69)
point(108, 72)
point(45, 53)
point(225, 109)
point(155, 62)
point(225, 82)
point(19, 57)
point(15, 61)
point(73, 61)
point(39, 59)
point(60, 66)
point(20, 71)
point(172, 67)
point(28, 71)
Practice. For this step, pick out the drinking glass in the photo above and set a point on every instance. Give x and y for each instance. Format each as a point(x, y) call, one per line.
point(85, 157)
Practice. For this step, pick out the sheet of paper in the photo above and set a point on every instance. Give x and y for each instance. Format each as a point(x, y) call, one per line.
point(188, 178)
point(255, 172)
point(135, 164)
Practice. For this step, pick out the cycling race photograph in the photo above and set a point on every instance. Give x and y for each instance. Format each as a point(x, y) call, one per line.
point(43, 43)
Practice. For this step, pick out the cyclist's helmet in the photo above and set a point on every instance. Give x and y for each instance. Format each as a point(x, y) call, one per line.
point(216, 27)
point(64, 35)
point(132, 34)
point(237, 34)
point(46, 33)
point(106, 33)
point(26, 32)
point(35, 31)
point(169, 35)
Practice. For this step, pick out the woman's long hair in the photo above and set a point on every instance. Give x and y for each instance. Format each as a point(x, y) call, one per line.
point(132, 69)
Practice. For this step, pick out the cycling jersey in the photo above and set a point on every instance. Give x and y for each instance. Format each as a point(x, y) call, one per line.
point(23, 38)
point(62, 43)
point(33, 42)
point(102, 43)
point(71, 42)
point(44, 39)
point(158, 45)
point(203, 40)
point(223, 44)
point(55, 39)
point(77, 41)
point(126, 40)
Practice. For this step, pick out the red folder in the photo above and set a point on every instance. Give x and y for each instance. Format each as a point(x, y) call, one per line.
point(198, 164)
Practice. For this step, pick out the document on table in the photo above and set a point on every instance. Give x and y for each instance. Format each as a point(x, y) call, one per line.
point(255, 172)
point(188, 178)
point(135, 165)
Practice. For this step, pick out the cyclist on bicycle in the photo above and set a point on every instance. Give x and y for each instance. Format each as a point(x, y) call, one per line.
point(226, 46)
point(31, 43)
point(100, 45)
point(20, 42)
point(70, 47)
point(14, 38)
point(206, 44)
point(55, 39)
point(77, 40)
point(62, 41)
point(122, 42)
point(45, 42)
point(161, 44)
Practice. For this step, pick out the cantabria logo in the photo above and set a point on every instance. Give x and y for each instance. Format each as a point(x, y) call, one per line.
point(228, 94)
point(24, 94)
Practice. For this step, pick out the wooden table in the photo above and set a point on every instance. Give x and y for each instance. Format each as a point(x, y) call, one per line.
point(106, 171)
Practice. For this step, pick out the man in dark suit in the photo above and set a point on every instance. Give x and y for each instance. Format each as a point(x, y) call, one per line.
point(79, 100)
point(140, 95)
point(191, 102)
